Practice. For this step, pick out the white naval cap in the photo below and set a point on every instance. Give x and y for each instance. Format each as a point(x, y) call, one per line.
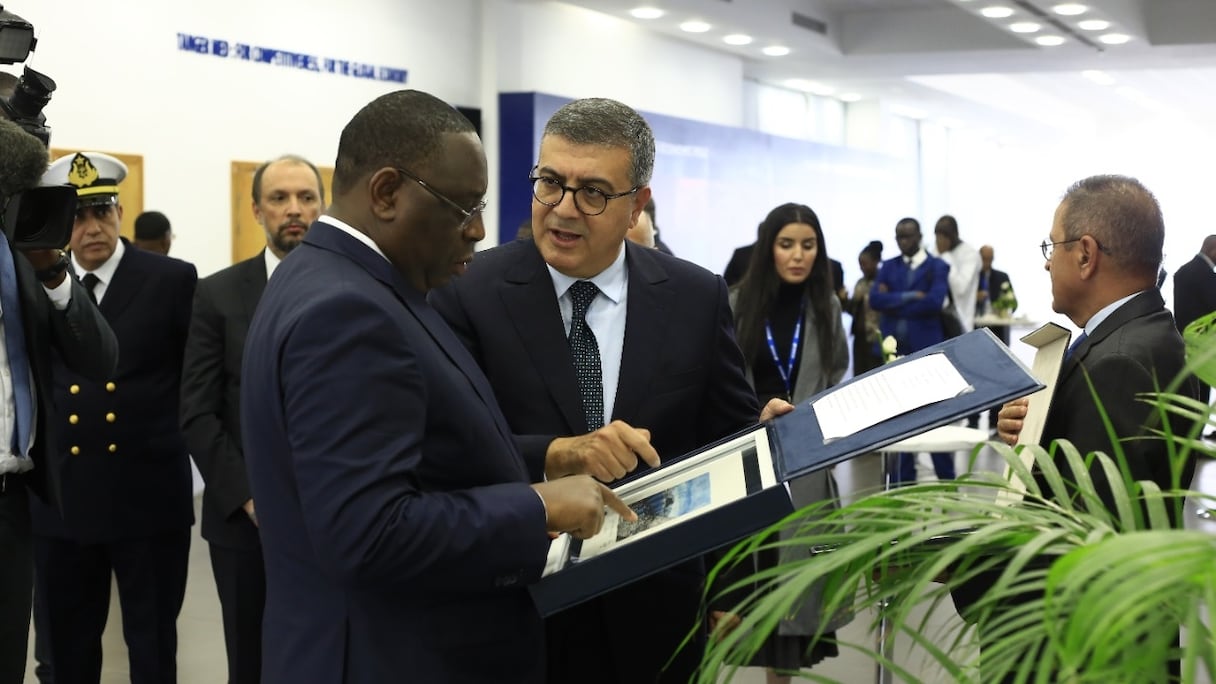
point(95, 175)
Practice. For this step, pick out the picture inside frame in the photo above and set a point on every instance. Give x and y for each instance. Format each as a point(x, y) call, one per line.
point(694, 486)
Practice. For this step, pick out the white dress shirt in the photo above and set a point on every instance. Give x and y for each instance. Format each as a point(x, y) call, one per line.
point(965, 268)
point(104, 272)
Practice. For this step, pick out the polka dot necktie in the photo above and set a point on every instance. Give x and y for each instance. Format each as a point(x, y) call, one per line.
point(586, 354)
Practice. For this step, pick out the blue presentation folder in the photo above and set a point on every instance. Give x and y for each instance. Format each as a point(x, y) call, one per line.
point(795, 447)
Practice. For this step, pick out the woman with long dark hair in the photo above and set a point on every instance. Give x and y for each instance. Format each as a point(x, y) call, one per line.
point(787, 320)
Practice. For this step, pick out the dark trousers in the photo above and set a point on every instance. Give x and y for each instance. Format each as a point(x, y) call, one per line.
point(240, 581)
point(16, 578)
point(943, 465)
point(42, 643)
point(74, 580)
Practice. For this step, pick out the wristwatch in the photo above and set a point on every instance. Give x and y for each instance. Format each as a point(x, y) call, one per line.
point(52, 272)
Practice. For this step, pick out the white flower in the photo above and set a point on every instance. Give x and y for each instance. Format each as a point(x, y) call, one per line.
point(889, 345)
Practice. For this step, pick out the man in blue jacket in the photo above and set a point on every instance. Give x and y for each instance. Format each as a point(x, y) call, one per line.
point(908, 295)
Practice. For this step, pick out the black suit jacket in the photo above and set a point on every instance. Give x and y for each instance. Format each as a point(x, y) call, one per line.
point(211, 397)
point(126, 471)
point(1194, 291)
point(996, 279)
point(682, 376)
point(1137, 349)
point(78, 338)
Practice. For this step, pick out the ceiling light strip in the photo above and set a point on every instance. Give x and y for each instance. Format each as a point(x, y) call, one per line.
point(1051, 19)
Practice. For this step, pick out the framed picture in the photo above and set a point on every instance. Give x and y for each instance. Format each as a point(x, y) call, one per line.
point(685, 490)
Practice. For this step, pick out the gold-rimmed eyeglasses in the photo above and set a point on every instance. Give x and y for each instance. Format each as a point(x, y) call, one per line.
point(468, 214)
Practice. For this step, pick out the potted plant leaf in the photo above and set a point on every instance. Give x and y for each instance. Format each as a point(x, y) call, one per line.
point(1075, 591)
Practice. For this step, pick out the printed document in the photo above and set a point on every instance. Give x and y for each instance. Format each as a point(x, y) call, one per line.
point(887, 393)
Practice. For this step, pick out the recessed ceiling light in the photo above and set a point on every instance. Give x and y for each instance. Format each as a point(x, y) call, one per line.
point(646, 12)
point(776, 50)
point(695, 26)
point(849, 97)
point(1114, 38)
point(1049, 41)
point(1099, 77)
point(996, 12)
point(1093, 25)
point(1070, 9)
point(1024, 27)
point(737, 39)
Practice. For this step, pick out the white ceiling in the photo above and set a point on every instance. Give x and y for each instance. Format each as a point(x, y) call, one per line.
point(942, 58)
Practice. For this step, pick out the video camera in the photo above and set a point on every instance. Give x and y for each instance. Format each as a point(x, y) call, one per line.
point(34, 217)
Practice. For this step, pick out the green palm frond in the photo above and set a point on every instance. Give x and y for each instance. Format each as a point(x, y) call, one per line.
point(912, 546)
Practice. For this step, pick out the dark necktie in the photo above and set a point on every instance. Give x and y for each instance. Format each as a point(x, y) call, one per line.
point(90, 281)
point(911, 274)
point(586, 354)
point(14, 344)
point(1076, 344)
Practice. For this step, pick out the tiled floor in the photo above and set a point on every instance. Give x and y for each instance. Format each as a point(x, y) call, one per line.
point(201, 658)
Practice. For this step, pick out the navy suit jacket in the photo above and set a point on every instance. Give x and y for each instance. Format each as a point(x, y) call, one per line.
point(915, 323)
point(124, 464)
point(211, 397)
point(682, 377)
point(398, 528)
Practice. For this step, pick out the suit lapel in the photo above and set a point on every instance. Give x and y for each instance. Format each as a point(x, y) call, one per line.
point(327, 237)
point(124, 284)
point(1141, 305)
point(646, 324)
point(531, 305)
point(253, 282)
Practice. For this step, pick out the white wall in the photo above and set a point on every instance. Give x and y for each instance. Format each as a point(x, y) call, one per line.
point(124, 86)
point(1006, 194)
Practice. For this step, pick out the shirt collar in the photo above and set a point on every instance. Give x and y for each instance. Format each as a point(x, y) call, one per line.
point(917, 259)
point(349, 230)
point(104, 272)
point(1104, 313)
point(610, 281)
point(1205, 258)
point(272, 261)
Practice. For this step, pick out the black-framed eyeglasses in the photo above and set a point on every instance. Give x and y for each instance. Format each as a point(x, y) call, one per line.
point(590, 200)
point(469, 214)
point(1048, 247)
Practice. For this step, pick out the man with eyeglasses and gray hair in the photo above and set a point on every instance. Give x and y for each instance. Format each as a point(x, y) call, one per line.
point(606, 358)
point(1102, 254)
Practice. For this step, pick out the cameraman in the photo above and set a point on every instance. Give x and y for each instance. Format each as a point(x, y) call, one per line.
point(43, 309)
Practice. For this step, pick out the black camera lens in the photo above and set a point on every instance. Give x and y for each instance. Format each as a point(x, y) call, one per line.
point(31, 94)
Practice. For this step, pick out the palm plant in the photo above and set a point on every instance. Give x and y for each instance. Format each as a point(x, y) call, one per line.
point(1076, 591)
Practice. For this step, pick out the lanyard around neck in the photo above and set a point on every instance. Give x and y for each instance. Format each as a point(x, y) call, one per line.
point(786, 371)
